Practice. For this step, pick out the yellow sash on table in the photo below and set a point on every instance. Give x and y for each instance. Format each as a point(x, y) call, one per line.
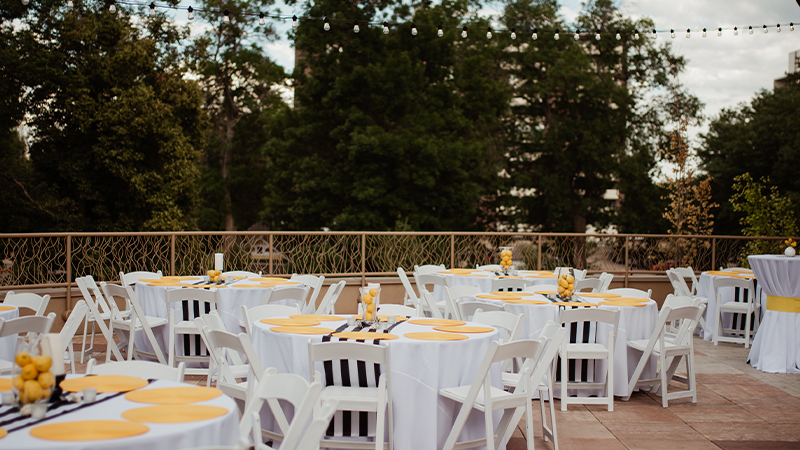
point(783, 304)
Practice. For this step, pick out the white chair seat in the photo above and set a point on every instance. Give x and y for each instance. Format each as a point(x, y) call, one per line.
point(459, 394)
point(587, 351)
point(736, 306)
point(641, 345)
point(5, 366)
point(185, 326)
point(511, 379)
point(352, 398)
point(152, 321)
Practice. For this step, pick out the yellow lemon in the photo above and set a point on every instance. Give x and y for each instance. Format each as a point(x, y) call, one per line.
point(33, 392)
point(373, 292)
point(568, 293)
point(42, 363)
point(570, 279)
point(367, 299)
point(46, 393)
point(18, 382)
point(23, 359)
point(371, 307)
point(561, 289)
point(46, 379)
point(368, 316)
point(562, 282)
point(571, 287)
point(29, 372)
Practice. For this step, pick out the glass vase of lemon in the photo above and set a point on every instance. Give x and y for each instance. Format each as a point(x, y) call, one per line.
point(370, 299)
point(31, 378)
point(505, 258)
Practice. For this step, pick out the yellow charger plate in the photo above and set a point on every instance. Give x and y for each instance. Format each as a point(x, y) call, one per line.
point(437, 322)
point(575, 304)
point(718, 273)
point(174, 413)
point(5, 384)
point(546, 292)
point(429, 336)
point(291, 322)
point(89, 430)
point(174, 395)
point(547, 275)
point(7, 308)
point(465, 329)
point(179, 278)
point(104, 383)
point(526, 302)
point(470, 275)
point(520, 294)
point(613, 303)
point(320, 317)
point(598, 295)
point(538, 272)
point(3, 433)
point(303, 330)
point(209, 286)
point(366, 336)
point(383, 318)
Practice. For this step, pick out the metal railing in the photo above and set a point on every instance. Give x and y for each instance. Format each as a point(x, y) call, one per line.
point(55, 259)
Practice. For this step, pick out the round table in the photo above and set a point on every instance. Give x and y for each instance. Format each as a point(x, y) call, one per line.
point(419, 369)
point(219, 431)
point(705, 288)
point(8, 344)
point(483, 279)
point(635, 323)
point(230, 300)
point(776, 347)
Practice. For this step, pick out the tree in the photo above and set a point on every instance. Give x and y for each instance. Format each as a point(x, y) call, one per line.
point(388, 131)
point(237, 82)
point(761, 139)
point(114, 124)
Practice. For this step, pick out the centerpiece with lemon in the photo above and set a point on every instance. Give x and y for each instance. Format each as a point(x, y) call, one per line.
point(505, 258)
point(370, 299)
point(214, 276)
point(32, 381)
point(566, 287)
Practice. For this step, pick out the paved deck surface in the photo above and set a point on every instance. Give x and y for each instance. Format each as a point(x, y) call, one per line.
point(738, 407)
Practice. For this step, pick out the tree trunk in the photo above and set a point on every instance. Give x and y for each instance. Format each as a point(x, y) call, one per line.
point(579, 248)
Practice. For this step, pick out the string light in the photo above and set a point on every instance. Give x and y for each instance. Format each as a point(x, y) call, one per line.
point(672, 33)
point(294, 22)
point(535, 35)
point(25, 2)
point(70, 5)
point(152, 9)
point(688, 33)
point(325, 24)
point(439, 32)
point(413, 30)
point(489, 33)
point(766, 30)
point(112, 8)
point(779, 28)
point(618, 36)
point(261, 20)
point(356, 28)
point(636, 34)
point(513, 34)
point(751, 30)
point(704, 32)
point(735, 31)
point(655, 35)
point(191, 13)
point(556, 37)
point(597, 35)
point(791, 26)
point(226, 16)
point(577, 34)
point(385, 28)
point(719, 32)
point(464, 32)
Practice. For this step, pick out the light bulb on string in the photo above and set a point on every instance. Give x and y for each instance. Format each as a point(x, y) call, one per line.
point(636, 34)
point(70, 5)
point(440, 31)
point(618, 36)
point(672, 33)
point(356, 28)
point(655, 35)
point(112, 8)
point(25, 2)
point(766, 30)
point(556, 36)
point(489, 33)
point(719, 32)
point(152, 9)
point(597, 35)
point(791, 26)
point(414, 30)
point(535, 35)
point(385, 28)
point(190, 10)
point(751, 30)
point(325, 24)
point(464, 32)
point(577, 34)
point(704, 32)
point(261, 20)
point(779, 28)
point(295, 22)
point(688, 33)
point(513, 33)
point(226, 16)
point(735, 31)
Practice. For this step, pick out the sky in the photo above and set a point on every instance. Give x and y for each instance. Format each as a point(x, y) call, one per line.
point(721, 71)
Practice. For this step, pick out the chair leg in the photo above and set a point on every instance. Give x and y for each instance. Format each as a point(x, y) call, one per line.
point(83, 344)
point(690, 374)
point(94, 328)
point(380, 437)
point(489, 422)
point(131, 336)
point(553, 430)
point(171, 358)
point(747, 330)
point(544, 420)
point(528, 424)
point(664, 370)
point(109, 344)
point(610, 384)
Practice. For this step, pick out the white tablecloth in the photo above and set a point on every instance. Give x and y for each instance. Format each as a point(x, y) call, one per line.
point(8, 344)
point(484, 281)
point(230, 300)
point(634, 323)
point(422, 418)
point(219, 431)
point(705, 288)
point(776, 347)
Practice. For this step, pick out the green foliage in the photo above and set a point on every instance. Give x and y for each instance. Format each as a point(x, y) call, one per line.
point(762, 139)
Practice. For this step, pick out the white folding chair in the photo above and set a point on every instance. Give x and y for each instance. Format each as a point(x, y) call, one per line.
point(593, 351)
point(315, 284)
point(240, 273)
point(746, 306)
point(130, 278)
point(454, 295)
point(427, 302)
point(391, 309)
point(428, 269)
point(367, 399)
point(562, 271)
point(542, 288)
point(273, 389)
point(677, 277)
point(250, 315)
point(676, 301)
point(484, 397)
point(98, 313)
point(237, 366)
point(688, 272)
point(327, 305)
point(423, 281)
point(579, 274)
point(631, 292)
point(510, 324)
point(554, 337)
point(193, 303)
point(411, 298)
point(70, 328)
point(288, 296)
point(143, 369)
point(468, 309)
point(668, 353)
point(35, 303)
point(137, 321)
point(588, 285)
point(316, 429)
point(34, 326)
point(607, 279)
point(490, 267)
point(510, 284)
point(220, 345)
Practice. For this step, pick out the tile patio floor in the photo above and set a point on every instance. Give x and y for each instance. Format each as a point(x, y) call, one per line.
point(738, 408)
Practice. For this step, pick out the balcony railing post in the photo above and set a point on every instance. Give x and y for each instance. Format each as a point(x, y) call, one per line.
point(363, 259)
point(270, 253)
point(627, 266)
point(452, 250)
point(713, 253)
point(69, 272)
point(172, 255)
point(539, 255)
